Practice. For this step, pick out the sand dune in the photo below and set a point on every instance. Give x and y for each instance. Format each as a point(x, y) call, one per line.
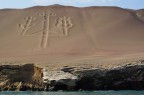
point(53, 33)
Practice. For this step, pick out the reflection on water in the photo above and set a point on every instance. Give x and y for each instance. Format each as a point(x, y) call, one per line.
point(76, 93)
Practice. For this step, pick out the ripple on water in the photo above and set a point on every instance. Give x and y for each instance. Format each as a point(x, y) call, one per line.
point(76, 93)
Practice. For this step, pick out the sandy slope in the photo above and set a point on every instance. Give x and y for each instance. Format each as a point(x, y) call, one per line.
point(59, 33)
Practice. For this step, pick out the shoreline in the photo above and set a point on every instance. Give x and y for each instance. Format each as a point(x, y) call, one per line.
point(30, 77)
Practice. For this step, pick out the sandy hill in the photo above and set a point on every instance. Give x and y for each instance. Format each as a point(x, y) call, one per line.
point(54, 33)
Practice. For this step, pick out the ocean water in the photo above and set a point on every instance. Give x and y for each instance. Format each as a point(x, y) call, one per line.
point(77, 93)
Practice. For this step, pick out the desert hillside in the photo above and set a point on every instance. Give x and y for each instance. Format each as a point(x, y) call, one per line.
point(58, 33)
point(67, 48)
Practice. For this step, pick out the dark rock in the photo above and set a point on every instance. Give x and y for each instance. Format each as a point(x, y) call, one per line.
point(29, 78)
point(125, 78)
point(63, 84)
point(67, 69)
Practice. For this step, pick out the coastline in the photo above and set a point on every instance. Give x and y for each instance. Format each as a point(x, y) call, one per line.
point(30, 77)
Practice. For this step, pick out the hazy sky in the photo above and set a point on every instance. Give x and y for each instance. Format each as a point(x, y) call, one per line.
point(131, 4)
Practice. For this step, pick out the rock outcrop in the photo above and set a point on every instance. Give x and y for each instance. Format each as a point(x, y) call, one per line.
point(30, 77)
point(20, 77)
point(124, 78)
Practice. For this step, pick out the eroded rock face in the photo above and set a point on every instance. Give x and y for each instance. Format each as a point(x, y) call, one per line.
point(120, 78)
point(140, 14)
point(29, 77)
point(59, 80)
point(124, 78)
point(20, 77)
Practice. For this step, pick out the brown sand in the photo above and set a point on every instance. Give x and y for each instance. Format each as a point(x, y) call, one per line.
point(62, 34)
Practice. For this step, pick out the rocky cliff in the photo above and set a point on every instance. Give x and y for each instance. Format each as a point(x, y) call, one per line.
point(20, 77)
point(30, 77)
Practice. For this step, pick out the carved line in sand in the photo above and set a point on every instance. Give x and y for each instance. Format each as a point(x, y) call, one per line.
point(65, 23)
point(28, 24)
point(46, 28)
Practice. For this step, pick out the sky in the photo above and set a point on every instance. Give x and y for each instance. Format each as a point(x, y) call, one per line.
point(130, 4)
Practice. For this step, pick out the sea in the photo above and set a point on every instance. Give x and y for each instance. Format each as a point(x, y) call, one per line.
point(76, 93)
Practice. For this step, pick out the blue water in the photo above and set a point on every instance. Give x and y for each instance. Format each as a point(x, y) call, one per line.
point(76, 93)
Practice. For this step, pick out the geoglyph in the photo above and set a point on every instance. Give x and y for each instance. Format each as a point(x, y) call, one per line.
point(62, 23)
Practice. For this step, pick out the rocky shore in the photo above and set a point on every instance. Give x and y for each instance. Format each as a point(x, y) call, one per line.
point(30, 77)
